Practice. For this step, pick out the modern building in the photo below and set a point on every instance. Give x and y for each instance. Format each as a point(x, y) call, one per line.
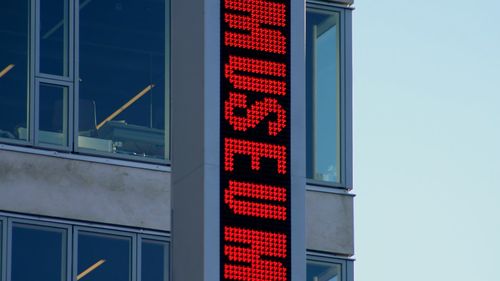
point(115, 131)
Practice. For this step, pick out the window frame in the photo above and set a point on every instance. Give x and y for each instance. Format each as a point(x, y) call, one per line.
point(72, 228)
point(30, 121)
point(36, 54)
point(76, 95)
point(3, 248)
point(35, 78)
point(149, 237)
point(41, 224)
point(39, 78)
point(346, 265)
point(345, 95)
point(124, 234)
point(70, 120)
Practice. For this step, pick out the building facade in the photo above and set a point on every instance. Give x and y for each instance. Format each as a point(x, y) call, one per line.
point(107, 105)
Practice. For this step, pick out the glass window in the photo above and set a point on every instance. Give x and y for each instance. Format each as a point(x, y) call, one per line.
point(53, 116)
point(122, 78)
point(155, 261)
point(14, 65)
point(54, 33)
point(323, 95)
point(38, 253)
point(119, 92)
point(104, 257)
point(323, 271)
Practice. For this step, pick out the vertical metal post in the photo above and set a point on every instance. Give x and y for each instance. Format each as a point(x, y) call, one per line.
point(298, 139)
point(195, 145)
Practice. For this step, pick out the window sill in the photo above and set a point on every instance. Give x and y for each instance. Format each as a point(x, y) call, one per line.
point(320, 186)
point(88, 158)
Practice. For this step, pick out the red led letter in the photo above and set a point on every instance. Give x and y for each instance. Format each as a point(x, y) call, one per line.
point(255, 150)
point(255, 191)
point(255, 177)
point(253, 83)
point(255, 114)
point(255, 37)
point(261, 244)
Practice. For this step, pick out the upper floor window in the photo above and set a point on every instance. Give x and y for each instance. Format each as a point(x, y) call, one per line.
point(14, 66)
point(325, 95)
point(86, 76)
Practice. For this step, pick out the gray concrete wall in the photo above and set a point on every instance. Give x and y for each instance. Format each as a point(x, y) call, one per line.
point(81, 190)
point(330, 222)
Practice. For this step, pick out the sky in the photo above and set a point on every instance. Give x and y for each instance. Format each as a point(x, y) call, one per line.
point(427, 140)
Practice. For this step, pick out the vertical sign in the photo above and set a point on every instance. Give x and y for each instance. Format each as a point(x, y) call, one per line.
point(255, 140)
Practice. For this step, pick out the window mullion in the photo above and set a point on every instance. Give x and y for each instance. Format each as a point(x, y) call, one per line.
point(3, 248)
point(33, 57)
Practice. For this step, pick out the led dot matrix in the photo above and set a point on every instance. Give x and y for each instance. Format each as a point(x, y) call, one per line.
point(255, 140)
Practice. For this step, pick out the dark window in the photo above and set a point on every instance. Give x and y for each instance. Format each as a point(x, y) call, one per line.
point(115, 102)
point(38, 253)
point(54, 37)
point(14, 66)
point(154, 261)
point(41, 251)
point(53, 120)
point(104, 257)
point(122, 78)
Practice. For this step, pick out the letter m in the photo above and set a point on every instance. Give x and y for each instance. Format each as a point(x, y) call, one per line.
point(251, 32)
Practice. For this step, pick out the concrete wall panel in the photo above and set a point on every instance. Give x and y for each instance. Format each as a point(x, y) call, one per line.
point(329, 222)
point(81, 190)
point(88, 191)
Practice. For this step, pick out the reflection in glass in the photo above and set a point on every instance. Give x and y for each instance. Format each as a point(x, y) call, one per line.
point(14, 42)
point(123, 80)
point(38, 253)
point(323, 96)
point(53, 127)
point(322, 271)
point(54, 31)
point(103, 257)
point(154, 261)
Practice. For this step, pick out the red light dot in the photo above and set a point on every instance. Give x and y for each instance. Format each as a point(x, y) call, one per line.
point(270, 193)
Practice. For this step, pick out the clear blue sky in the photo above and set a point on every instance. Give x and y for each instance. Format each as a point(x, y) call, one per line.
point(427, 140)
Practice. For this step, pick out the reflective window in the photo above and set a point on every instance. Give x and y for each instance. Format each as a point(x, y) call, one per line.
point(119, 53)
point(323, 95)
point(38, 253)
point(122, 78)
point(14, 65)
point(53, 116)
point(323, 271)
point(54, 33)
point(103, 257)
point(154, 261)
